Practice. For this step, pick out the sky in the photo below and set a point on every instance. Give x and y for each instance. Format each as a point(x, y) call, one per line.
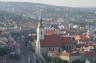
point(71, 3)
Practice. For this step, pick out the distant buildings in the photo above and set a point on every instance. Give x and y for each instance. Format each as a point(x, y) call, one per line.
point(8, 42)
point(8, 26)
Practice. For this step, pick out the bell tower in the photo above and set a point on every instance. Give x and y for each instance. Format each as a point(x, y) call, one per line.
point(40, 30)
point(40, 36)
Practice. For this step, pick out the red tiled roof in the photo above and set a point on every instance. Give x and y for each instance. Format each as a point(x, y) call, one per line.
point(70, 29)
point(67, 40)
point(94, 45)
point(50, 32)
point(51, 40)
point(83, 37)
point(55, 40)
point(64, 53)
point(85, 45)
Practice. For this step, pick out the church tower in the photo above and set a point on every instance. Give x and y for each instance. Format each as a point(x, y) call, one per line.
point(40, 31)
point(40, 36)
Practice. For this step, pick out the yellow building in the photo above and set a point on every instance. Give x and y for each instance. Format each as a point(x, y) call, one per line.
point(70, 57)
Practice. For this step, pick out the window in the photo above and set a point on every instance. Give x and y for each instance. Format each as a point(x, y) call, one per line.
point(41, 32)
point(59, 49)
point(53, 49)
point(49, 49)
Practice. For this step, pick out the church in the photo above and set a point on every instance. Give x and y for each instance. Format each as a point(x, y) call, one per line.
point(52, 42)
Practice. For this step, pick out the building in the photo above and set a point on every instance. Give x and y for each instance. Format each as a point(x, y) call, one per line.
point(52, 42)
point(71, 56)
point(55, 45)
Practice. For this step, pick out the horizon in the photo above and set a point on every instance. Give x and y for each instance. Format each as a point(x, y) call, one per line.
point(69, 3)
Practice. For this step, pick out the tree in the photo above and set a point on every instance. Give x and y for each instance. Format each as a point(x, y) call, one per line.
point(4, 51)
point(77, 61)
point(58, 60)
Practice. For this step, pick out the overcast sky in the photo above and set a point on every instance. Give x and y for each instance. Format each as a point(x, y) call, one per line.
point(73, 3)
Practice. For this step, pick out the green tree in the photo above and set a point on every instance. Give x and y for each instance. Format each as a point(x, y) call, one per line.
point(4, 51)
point(77, 61)
point(58, 60)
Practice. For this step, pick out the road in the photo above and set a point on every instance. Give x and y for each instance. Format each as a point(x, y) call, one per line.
point(27, 56)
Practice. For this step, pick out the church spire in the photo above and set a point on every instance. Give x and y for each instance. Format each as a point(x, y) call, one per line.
point(40, 24)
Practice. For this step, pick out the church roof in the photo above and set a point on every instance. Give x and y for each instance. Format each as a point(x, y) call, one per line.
point(55, 41)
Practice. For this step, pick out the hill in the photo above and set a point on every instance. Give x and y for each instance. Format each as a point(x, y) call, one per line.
point(26, 11)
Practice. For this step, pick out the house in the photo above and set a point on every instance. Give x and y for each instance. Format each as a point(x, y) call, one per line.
point(71, 56)
point(53, 54)
point(67, 56)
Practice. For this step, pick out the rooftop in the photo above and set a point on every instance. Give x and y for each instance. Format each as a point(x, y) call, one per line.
point(55, 40)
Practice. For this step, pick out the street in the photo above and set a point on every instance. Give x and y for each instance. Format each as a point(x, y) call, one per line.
point(26, 55)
